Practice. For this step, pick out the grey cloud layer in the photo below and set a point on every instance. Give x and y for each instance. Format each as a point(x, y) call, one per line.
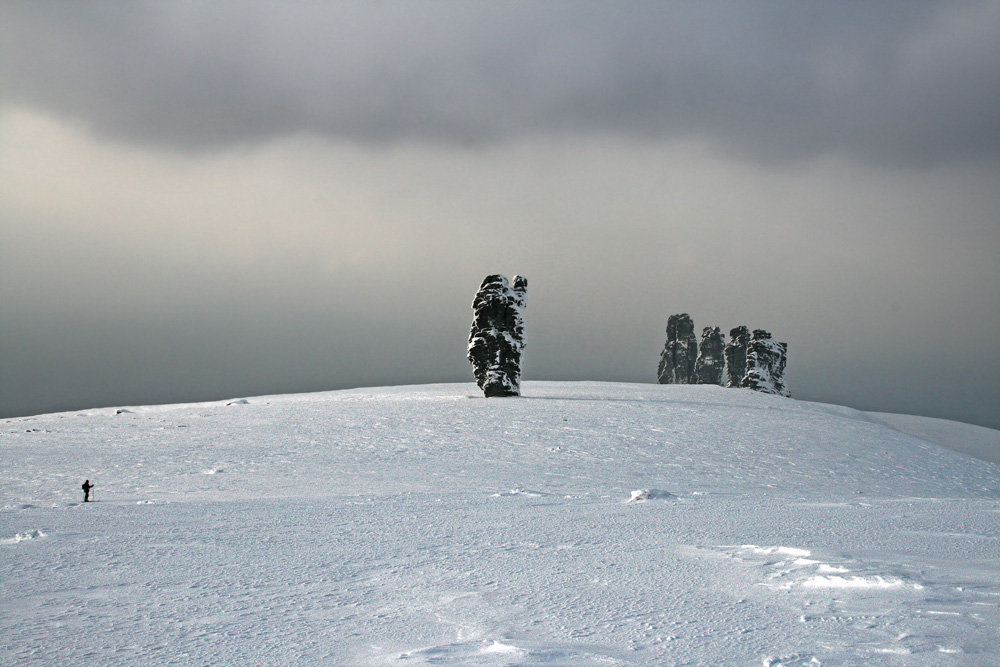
point(138, 275)
point(904, 83)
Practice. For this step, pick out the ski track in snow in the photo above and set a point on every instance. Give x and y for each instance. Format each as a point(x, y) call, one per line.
point(584, 524)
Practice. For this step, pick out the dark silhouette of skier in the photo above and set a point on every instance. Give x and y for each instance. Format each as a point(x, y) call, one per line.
point(87, 486)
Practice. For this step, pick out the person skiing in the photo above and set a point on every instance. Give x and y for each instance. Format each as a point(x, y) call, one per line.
point(86, 486)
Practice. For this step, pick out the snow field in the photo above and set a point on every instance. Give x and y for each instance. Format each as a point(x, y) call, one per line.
point(417, 525)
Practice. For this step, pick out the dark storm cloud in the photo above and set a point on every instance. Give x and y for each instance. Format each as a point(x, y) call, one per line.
point(904, 83)
point(211, 199)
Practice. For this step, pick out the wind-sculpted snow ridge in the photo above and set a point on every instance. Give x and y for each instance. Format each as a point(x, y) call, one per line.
point(789, 567)
point(882, 600)
point(585, 524)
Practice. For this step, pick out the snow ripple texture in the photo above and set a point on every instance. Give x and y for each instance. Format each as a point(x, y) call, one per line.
point(583, 524)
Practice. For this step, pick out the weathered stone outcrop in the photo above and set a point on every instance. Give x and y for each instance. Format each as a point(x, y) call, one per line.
point(736, 356)
point(709, 367)
point(766, 359)
point(680, 352)
point(497, 336)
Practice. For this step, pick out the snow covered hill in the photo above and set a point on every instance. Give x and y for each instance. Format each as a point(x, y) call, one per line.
point(427, 525)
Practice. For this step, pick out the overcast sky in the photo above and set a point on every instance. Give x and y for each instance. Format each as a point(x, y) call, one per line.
point(209, 200)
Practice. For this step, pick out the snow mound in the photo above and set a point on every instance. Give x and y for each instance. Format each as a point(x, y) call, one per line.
point(24, 537)
point(642, 495)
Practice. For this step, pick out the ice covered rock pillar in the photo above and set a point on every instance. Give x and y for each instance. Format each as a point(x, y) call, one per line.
point(736, 355)
point(680, 352)
point(766, 359)
point(709, 367)
point(497, 336)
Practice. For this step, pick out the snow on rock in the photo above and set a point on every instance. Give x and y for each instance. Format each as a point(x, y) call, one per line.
point(24, 537)
point(641, 495)
point(411, 525)
point(766, 359)
point(638, 495)
point(496, 340)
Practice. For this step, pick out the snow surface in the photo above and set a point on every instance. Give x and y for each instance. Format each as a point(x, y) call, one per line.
point(983, 443)
point(584, 523)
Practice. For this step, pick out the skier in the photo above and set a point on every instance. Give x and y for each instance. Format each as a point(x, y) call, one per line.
point(87, 486)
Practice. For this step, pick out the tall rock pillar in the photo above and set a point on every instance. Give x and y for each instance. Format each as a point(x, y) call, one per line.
point(766, 360)
point(680, 352)
point(497, 336)
point(736, 355)
point(711, 362)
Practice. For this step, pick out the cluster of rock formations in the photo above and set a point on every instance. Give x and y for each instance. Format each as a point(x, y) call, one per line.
point(497, 337)
point(751, 361)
